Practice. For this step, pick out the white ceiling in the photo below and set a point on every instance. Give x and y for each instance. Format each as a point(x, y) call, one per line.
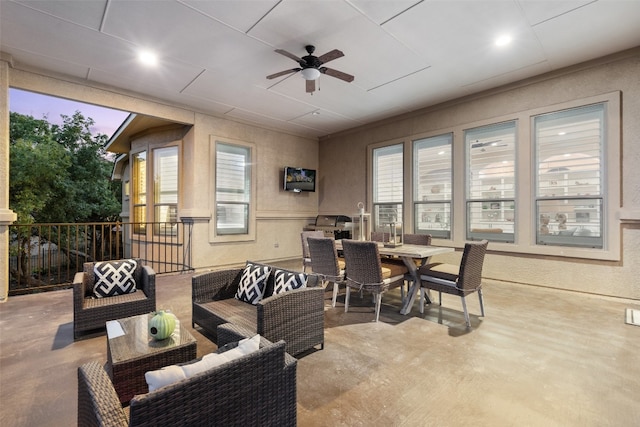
point(404, 54)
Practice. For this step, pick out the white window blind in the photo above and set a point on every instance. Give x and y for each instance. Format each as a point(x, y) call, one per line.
point(233, 188)
point(432, 183)
point(388, 172)
point(165, 188)
point(569, 155)
point(491, 153)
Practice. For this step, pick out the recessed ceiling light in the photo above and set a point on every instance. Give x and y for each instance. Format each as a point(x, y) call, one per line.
point(148, 58)
point(503, 40)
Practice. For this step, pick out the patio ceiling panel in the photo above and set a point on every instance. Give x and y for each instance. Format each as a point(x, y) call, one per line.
point(588, 32)
point(459, 38)
point(36, 40)
point(179, 31)
point(241, 15)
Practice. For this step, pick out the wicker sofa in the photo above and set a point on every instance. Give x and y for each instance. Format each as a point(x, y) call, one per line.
point(258, 389)
point(92, 313)
point(295, 316)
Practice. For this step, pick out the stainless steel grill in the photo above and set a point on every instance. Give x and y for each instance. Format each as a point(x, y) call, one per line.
point(332, 225)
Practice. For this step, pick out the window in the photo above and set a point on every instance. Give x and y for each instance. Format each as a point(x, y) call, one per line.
point(165, 190)
point(233, 189)
point(432, 185)
point(388, 175)
point(158, 177)
point(491, 198)
point(140, 192)
point(569, 195)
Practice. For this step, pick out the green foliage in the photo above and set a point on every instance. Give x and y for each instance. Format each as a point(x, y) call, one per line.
point(60, 173)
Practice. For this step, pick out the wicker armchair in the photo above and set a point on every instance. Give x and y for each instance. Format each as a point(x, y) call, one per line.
point(365, 272)
point(258, 389)
point(92, 313)
point(296, 316)
point(326, 264)
point(459, 280)
point(306, 257)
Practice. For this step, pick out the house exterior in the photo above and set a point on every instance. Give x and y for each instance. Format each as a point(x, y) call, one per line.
point(178, 164)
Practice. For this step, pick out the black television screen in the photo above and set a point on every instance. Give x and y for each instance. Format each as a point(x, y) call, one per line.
point(299, 179)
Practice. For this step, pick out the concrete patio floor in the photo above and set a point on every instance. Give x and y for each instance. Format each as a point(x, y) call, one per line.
point(540, 357)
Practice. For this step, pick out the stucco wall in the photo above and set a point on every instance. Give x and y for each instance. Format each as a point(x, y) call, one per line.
point(343, 164)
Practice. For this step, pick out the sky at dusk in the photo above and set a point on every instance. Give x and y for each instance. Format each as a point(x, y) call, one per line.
point(51, 108)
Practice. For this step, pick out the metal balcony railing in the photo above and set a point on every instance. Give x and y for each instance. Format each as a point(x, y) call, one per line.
point(47, 256)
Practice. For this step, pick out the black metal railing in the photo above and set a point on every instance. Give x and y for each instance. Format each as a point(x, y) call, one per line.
point(47, 256)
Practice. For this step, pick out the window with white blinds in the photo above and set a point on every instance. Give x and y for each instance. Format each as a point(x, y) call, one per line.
point(388, 176)
point(139, 196)
point(165, 190)
point(432, 185)
point(491, 198)
point(233, 188)
point(569, 180)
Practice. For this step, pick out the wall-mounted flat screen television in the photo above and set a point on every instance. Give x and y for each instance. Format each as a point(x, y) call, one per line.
point(299, 179)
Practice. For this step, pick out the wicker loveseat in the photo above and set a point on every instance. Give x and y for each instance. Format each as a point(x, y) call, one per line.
point(91, 313)
point(258, 389)
point(295, 316)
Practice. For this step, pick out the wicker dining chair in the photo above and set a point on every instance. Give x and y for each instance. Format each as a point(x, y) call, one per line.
point(415, 239)
point(306, 258)
point(365, 272)
point(459, 280)
point(326, 264)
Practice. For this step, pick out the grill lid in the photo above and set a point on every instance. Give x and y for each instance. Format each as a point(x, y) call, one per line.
point(331, 220)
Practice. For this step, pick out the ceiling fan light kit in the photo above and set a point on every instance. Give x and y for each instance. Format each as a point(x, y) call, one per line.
point(310, 73)
point(311, 67)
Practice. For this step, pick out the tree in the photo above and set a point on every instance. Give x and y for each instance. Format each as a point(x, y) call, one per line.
point(58, 174)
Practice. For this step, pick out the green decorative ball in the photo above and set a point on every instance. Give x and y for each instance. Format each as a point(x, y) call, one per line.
point(162, 325)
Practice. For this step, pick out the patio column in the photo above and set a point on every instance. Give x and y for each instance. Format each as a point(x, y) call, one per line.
point(7, 216)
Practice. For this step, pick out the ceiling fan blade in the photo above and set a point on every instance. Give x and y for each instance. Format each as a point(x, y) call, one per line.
point(330, 56)
point(337, 74)
point(311, 86)
point(283, 73)
point(290, 55)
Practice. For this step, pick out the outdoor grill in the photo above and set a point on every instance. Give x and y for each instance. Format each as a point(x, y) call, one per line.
point(332, 225)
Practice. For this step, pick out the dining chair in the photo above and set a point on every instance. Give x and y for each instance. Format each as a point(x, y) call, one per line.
point(379, 236)
point(459, 280)
point(415, 239)
point(365, 272)
point(326, 264)
point(306, 258)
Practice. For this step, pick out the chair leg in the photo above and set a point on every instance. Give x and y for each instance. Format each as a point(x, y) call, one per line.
point(378, 304)
point(440, 297)
point(421, 295)
point(346, 299)
point(335, 294)
point(481, 298)
point(466, 313)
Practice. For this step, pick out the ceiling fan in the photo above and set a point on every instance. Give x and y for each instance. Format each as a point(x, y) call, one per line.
point(311, 66)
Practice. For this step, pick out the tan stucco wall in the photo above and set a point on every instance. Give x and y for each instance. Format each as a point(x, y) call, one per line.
point(343, 159)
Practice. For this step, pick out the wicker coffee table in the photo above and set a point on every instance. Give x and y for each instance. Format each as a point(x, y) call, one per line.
point(131, 352)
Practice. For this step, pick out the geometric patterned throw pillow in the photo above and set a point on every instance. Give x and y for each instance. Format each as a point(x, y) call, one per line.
point(286, 281)
point(114, 278)
point(252, 283)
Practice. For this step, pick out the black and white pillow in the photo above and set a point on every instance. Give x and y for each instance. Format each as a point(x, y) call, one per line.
point(252, 283)
point(114, 278)
point(286, 281)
